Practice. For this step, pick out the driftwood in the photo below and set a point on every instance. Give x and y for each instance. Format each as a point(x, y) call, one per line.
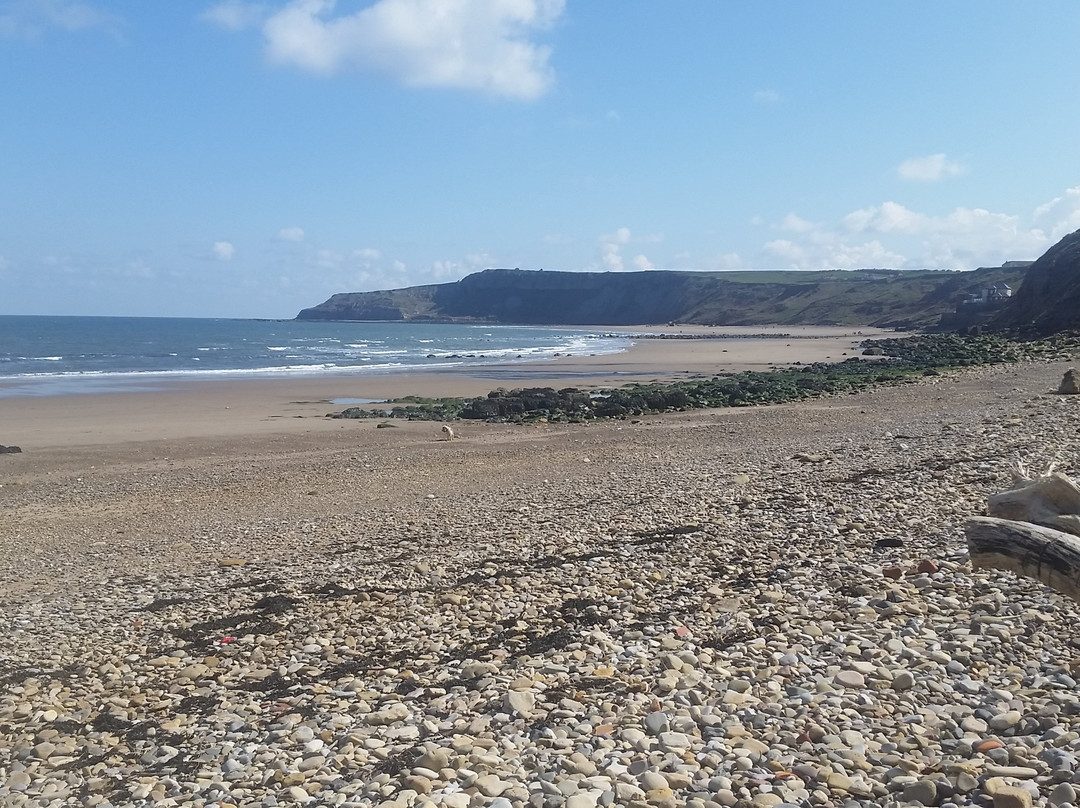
point(1051, 500)
point(1032, 530)
point(1034, 551)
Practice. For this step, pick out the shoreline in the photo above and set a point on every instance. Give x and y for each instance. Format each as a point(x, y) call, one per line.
point(224, 408)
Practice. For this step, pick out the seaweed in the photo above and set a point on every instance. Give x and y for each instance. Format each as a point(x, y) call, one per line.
point(904, 360)
point(160, 604)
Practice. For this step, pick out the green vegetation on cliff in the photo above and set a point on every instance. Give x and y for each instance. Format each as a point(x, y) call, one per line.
point(871, 297)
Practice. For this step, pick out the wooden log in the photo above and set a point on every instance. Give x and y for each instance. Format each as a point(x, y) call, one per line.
point(1033, 551)
point(1052, 500)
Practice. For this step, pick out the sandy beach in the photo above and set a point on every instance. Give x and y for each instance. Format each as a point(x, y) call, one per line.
point(212, 595)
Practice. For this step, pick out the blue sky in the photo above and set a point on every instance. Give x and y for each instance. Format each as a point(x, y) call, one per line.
point(250, 159)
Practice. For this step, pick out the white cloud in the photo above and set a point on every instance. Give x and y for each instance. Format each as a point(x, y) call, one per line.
point(223, 250)
point(932, 168)
point(796, 224)
point(891, 235)
point(728, 261)
point(611, 249)
point(291, 234)
point(235, 15)
point(31, 18)
point(1060, 216)
point(478, 260)
point(328, 259)
point(823, 251)
point(610, 259)
point(367, 254)
point(446, 270)
point(481, 45)
point(889, 217)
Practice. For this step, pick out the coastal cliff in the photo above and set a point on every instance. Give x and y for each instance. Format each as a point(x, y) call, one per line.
point(883, 298)
point(1049, 300)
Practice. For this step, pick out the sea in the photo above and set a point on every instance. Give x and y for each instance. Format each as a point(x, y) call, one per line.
point(42, 355)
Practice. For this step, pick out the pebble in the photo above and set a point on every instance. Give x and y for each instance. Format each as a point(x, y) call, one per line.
point(1012, 797)
point(903, 680)
point(1063, 794)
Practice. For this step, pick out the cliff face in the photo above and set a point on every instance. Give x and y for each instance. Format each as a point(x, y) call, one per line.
point(568, 298)
point(414, 303)
point(861, 297)
point(1049, 300)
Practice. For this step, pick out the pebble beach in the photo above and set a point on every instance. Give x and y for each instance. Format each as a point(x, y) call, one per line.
point(753, 607)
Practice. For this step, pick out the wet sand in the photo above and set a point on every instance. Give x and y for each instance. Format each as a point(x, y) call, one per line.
point(263, 408)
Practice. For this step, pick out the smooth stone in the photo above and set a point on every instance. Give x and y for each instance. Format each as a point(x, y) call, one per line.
point(583, 800)
point(839, 782)
point(390, 715)
point(1063, 793)
point(303, 734)
point(726, 797)
point(966, 782)
point(924, 791)
point(903, 680)
point(657, 722)
point(973, 724)
point(627, 792)
point(1004, 721)
point(417, 783)
point(195, 671)
point(297, 794)
point(674, 741)
point(651, 780)
point(491, 785)
point(850, 679)
point(766, 800)
point(435, 759)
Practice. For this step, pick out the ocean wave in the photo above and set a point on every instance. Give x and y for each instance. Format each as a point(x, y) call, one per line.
point(91, 352)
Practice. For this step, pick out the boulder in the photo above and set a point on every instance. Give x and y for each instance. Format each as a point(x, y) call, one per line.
point(1070, 384)
point(9, 449)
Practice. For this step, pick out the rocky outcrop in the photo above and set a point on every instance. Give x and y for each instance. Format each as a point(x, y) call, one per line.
point(1070, 383)
point(10, 450)
point(1049, 300)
